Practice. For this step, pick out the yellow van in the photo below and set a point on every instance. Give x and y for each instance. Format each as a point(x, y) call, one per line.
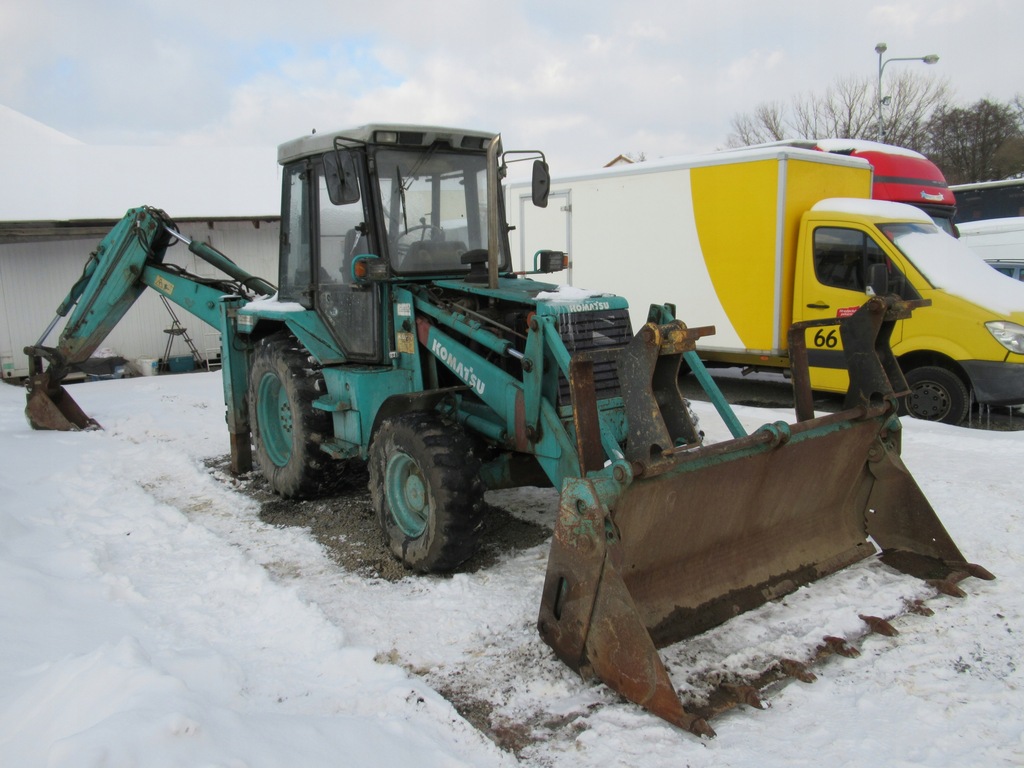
point(754, 240)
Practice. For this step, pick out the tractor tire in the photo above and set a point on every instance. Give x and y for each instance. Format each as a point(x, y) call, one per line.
point(286, 429)
point(936, 394)
point(425, 486)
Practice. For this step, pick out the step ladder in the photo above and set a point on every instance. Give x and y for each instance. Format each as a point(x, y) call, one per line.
point(175, 331)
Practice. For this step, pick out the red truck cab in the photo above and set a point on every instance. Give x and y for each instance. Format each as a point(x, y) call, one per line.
point(902, 176)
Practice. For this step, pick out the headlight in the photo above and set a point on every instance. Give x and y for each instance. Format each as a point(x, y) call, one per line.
point(1010, 335)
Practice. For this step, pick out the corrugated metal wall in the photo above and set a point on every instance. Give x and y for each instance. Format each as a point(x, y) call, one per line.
point(36, 276)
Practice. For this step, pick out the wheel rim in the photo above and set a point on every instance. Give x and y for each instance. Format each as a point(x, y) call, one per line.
point(407, 495)
point(274, 412)
point(929, 401)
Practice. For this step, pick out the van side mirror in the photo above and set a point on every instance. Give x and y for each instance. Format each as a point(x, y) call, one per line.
point(878, 280)
point(541, 183)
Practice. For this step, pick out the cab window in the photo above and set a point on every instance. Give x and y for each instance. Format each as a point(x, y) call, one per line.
point(295, 276)
point(843, 259)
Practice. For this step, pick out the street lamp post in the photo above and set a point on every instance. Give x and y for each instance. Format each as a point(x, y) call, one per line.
point(881, 48)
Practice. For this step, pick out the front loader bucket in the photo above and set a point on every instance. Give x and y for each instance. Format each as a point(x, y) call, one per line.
point(49, 406)
point(661, 551)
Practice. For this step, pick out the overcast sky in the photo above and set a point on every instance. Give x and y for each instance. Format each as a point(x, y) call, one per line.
point(583, 80)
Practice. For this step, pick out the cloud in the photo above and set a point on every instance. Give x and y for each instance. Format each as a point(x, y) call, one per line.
point(583, 79)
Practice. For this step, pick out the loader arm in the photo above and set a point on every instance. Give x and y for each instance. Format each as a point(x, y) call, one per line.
point(518, 383)
point(517, 414)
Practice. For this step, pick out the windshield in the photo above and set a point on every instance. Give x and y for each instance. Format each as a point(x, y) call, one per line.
point(948, 264)
point(946, 225)
point(434, 202)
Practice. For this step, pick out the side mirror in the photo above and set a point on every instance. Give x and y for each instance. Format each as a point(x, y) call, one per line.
point(342, 182)
point(541, 183)
point(878, 280)
point(550, 261)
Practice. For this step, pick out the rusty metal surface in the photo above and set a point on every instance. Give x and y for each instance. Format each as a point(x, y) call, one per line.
point(682, 537)
point(50, 407)
point(656, 411)
point(584, 414)
point(730, 527)
point(875, 376)
point(589, 618)
point(710, 540)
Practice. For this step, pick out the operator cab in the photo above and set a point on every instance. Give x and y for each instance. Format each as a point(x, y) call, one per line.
point(411, 201)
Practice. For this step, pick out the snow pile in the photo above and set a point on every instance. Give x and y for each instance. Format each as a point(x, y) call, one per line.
point(136, 637)
point(568, 293)
point(152, 619)
point(950, 265)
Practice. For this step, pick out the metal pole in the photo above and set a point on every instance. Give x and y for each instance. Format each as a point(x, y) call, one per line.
point(881, 48)
point(493, 241)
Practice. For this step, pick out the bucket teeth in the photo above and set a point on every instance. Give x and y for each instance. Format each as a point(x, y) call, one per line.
point(978, 571)
point(839, 646)
point(947, 587)
point(879, 625)
point(797, 670)
point(918, 607)
point(700, 727)
point(746, 694)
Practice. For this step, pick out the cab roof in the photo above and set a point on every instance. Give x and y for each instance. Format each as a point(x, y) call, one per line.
point(382, 133)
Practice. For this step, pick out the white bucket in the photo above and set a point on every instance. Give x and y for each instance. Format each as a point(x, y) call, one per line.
point(148, 366)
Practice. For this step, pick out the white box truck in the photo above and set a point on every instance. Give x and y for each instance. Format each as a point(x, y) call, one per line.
point(751, 241)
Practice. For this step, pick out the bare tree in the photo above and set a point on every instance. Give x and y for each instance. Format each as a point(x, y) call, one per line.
point(766, 124)
point(982, 142)
point(912, 99)
point(849, 109)
point(844, 111)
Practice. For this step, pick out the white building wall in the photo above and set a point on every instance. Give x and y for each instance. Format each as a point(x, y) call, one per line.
point(35, 278)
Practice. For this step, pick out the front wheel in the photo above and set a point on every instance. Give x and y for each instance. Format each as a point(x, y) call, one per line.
point(286, 429)
point(936, 394)
point(425, 486)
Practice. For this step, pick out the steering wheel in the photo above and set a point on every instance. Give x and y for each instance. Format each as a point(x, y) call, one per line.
point(436, 233)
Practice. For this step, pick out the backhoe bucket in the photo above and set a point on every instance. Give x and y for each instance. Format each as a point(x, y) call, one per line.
point(670, 546)
point(49, 406)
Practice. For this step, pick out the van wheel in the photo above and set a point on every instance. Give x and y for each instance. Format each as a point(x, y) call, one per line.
point(286, 429)
point(425, 486)
point(936, 394)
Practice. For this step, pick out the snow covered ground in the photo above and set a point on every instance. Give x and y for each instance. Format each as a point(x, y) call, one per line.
point(148, 617)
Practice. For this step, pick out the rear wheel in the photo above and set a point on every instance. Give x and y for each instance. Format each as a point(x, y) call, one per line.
point(286, 429)
point(936, 394)
point(425, 486)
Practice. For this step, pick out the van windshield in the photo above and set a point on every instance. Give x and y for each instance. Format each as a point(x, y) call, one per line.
point(949, 265)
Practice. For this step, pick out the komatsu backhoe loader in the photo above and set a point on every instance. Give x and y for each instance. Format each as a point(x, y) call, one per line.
point(399, 335)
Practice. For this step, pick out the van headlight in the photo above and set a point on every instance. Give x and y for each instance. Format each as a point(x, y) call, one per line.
point(1010, 335)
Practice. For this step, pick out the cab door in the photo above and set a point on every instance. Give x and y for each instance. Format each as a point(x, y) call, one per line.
point(836, 260)
point(343, 231)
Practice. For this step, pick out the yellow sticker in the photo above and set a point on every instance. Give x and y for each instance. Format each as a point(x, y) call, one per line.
point(405, 342)
point(162, 285)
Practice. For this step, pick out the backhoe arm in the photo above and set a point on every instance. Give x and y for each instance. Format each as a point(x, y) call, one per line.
point(108, 287)
point(127, 261)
